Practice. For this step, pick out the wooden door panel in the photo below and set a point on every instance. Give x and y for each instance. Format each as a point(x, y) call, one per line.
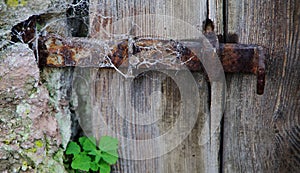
point(261, 133)
point(189, 156)
point(103, 13)
point(107, 100)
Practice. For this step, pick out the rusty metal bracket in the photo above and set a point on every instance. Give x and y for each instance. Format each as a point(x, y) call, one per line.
point(239, 58)
point(242, 58)
point(56, 51)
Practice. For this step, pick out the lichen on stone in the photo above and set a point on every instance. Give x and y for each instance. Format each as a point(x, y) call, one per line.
point(15, 3)
point(54, 80)
point(30, 135)
point(35, 117)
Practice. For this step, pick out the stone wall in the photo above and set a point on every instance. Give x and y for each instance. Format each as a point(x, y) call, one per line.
point(34, 111)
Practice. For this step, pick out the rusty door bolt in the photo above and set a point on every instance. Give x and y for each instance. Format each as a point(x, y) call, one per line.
point(235, 58)
point(56, 51)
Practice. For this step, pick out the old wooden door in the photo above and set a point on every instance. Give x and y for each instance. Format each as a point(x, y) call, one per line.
point(162, 116)
point(259, 133)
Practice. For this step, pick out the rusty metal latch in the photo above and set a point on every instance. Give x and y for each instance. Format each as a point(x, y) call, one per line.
point(56, 51)
point(242, 58)
point(239, 58)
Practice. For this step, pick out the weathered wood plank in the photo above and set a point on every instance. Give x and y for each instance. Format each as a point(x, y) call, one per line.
point(103, 13)
point(109, 97)
point(215, 13)
point(261, 133)
point(189, 156)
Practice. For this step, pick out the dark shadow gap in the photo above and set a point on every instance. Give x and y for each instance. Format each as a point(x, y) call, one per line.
point(225, 21)
point(222, 123)
point(78, 18)
point(221, 150)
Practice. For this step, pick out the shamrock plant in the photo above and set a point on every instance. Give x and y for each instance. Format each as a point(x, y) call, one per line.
point(88, 156)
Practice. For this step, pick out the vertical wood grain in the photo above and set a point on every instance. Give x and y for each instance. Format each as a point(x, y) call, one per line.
point(189, 156)
point(262, 133)
point(101, 102)
point(103, 13)
point(215, 13)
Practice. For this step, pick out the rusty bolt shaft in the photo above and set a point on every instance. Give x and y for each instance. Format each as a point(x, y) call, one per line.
point(235, 58)
point(55, 51)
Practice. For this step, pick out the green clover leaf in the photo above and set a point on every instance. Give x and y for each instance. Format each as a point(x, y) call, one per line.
point(104, 167)
point(73, 148)
point(109, 158)
point(81, 162)
point(108, 143)
point(89, 144)
point(87, 156)
point(94, 166)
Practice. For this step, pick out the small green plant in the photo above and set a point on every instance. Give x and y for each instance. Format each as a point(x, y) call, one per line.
point(88, 156)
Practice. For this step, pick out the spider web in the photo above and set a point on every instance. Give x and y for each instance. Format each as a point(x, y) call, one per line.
point(91, 34)
point(95, 28)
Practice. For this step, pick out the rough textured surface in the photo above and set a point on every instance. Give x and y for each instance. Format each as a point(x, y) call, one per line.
point(189, 156)
point(11, 14)
point(58, 82)
point(98, 101)
point(261, 133)
point(29, 116)
point(29, 130)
